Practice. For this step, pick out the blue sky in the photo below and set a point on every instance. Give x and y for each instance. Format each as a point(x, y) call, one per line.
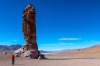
point(60, 24)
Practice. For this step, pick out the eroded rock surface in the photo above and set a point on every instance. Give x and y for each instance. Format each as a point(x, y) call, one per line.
point(29, 32)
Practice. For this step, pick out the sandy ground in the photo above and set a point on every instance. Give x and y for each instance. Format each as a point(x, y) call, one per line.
point(52, 61)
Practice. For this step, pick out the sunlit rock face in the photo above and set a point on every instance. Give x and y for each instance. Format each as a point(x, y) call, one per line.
point(30, 49)
point(29, 31)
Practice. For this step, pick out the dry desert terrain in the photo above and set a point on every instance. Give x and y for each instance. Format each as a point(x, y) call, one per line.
point(78, 57)
point(52, 61)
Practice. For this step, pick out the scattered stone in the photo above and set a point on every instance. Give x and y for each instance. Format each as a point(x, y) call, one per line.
point(5, 53)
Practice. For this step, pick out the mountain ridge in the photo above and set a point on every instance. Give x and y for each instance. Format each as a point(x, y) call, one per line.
point(11, 47)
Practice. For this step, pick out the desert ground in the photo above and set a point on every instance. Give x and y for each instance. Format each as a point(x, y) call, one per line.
point(78, 57)
point(53, 60)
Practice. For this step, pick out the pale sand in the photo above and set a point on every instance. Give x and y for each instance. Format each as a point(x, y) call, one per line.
point(53, 61)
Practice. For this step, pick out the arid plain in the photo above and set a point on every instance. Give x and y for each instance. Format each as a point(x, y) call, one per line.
point(78, 57)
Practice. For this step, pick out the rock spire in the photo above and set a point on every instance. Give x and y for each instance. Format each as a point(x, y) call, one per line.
point(29, 31)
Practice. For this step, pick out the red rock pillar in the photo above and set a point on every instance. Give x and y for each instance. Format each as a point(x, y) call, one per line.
point(29, 30)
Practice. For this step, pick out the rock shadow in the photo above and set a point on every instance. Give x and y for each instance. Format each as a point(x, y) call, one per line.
point(20, 64)
point(67, 58)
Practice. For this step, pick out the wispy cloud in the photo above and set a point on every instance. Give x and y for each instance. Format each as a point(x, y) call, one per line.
point(15, 40)
point(59, 44)
point(67, 43)
point(8, 42)
point(69, 39)
point(95, 41)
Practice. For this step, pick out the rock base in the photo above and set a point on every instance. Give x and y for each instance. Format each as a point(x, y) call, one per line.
point(29, 54)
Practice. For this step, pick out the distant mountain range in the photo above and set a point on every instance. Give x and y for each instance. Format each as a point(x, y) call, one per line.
point(82, 51)
point(17, 46)
point(93, 51)
point(11, 47)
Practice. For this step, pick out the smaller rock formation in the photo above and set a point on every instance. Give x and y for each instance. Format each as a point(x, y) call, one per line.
point(4, 52)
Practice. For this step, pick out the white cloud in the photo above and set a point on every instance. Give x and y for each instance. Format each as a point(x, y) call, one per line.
point(69, 39)
point(59, 44)
point(52, 44)
point(67, 43)
point(8, 42)
point(15, 40)
point(94, 41)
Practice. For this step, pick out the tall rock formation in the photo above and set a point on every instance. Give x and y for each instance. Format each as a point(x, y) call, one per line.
point(30, 49)
point(29, 31)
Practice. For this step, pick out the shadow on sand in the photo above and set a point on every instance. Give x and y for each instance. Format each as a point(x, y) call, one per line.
point(67, 58)
point(19, 64)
